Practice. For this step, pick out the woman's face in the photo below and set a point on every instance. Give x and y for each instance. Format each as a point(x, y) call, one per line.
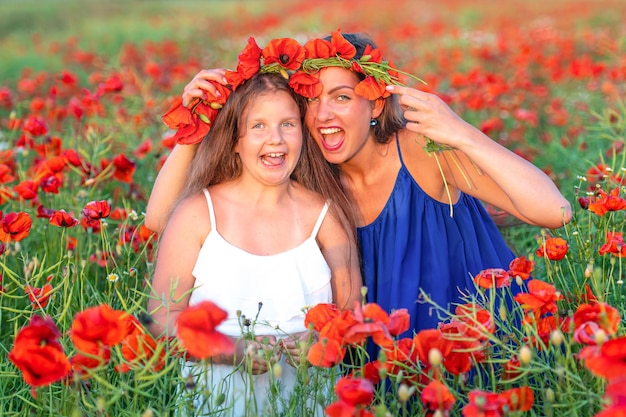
point(339, 119)
point(271, 142)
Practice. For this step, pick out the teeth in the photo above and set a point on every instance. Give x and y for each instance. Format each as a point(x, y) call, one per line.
point(330, 131)
point(275, 155)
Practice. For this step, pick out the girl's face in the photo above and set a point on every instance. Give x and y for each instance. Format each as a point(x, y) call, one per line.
point(271, 142)
point(339, 119)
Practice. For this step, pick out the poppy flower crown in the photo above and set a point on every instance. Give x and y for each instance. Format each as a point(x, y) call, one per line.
point(297, 63)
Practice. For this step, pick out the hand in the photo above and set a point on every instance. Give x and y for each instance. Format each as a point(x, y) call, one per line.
point(430, 116)
point(296, 347)
point(261, 354)
point(200, 83)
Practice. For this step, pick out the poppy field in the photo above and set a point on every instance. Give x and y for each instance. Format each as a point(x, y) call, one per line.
point(82, 92)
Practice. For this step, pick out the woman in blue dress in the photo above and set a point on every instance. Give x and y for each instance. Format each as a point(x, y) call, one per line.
point(421, 224)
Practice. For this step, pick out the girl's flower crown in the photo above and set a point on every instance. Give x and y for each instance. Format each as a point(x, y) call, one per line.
point(299, 64)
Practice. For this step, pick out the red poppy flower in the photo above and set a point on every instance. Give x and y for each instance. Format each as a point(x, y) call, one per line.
point(100, 325)
point(372, 89)
point(519, 399)
point(50, 183)
point(429, 339)
point(554, 249)
point(521, 267)
point(194, 130)
point(353, 395)
point(177, 116)
point(249, 60)
point(62, 219)
point(286, 52)
point(319, 48)
point(477, 321)
point(27, 189)
point(372, 322)
point(320, 314)
point(607, 202)
point(605, 315)
point(541, 297)
point(493, 277)
point(138, 349)
point(15, 226)
point(511, 369)
point(38, 354)
point(466, 351)
point(124, 168)
point(609, 361)
point(484, 404)
point(96, 210)
point(305, 84)
point(71, 243)
point(92, 356)
point(614, 244)
point(35, 126)
point(399, 322)
point(326, 353)
point(400, 355)
point(6, 174)
point(355, 391)
point(38, 296)
point(196, 329)
point(344, 48)
point(436, 396)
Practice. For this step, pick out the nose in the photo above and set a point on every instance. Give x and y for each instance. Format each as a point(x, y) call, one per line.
point(276, 135)
point(322, 110)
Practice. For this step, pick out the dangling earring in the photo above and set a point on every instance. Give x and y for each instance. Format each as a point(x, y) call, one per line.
point(373, 122)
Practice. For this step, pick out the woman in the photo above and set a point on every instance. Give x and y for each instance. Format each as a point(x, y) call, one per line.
point(260, 230)
point(422, 229)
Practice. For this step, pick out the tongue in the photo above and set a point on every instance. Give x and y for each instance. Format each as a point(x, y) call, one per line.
point(333, 140)
point(270, 160)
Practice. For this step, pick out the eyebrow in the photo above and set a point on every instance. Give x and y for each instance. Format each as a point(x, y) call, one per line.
point(339, 87)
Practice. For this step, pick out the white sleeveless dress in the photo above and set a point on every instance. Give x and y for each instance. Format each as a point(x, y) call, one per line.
point(271, 292)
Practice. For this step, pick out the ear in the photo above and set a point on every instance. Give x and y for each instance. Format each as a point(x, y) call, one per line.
point(377, 107)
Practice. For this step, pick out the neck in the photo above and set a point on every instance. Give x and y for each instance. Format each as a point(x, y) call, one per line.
point(263, 195)
point(365, 163)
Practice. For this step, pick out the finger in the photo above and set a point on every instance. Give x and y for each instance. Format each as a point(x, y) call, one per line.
point(214, 74)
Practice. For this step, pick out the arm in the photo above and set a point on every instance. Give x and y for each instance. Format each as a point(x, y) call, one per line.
point(483, 168)
point(173, 175)
point(168, 186)
point(341, 254)
point(173, 281)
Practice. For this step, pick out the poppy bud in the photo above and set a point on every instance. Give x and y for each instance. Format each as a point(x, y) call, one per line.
point(215, 106)
point(284, 73)
point(435, 357)
point(525, 355)
point(204, 118)
point(365, 58)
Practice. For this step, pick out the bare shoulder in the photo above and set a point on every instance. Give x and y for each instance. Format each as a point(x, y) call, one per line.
point(190, 217)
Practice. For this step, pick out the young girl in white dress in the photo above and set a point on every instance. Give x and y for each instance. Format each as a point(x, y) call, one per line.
point(262, 230)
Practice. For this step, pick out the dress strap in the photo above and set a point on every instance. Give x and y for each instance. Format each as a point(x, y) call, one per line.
point(399, 150)
point(320, 219)
point(211, 211)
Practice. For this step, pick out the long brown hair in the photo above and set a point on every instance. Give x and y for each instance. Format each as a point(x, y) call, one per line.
point(216, 161)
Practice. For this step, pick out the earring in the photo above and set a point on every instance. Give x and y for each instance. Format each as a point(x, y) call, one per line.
point(373, 122)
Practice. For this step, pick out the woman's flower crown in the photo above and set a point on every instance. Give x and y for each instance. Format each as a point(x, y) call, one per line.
point(299, 64)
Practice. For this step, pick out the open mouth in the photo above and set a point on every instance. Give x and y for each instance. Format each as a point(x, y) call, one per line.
point(273, 159)
point(332, 138)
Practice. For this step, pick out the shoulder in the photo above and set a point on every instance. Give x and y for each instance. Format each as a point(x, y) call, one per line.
point(190, 216)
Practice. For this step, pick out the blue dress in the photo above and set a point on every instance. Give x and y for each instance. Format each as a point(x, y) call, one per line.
point(414, 244)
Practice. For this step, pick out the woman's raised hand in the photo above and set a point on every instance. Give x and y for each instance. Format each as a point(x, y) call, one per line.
point(430, 116)
point(200, 83)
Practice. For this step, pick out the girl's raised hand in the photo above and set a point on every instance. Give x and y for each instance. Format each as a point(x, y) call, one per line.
point(200, 83)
